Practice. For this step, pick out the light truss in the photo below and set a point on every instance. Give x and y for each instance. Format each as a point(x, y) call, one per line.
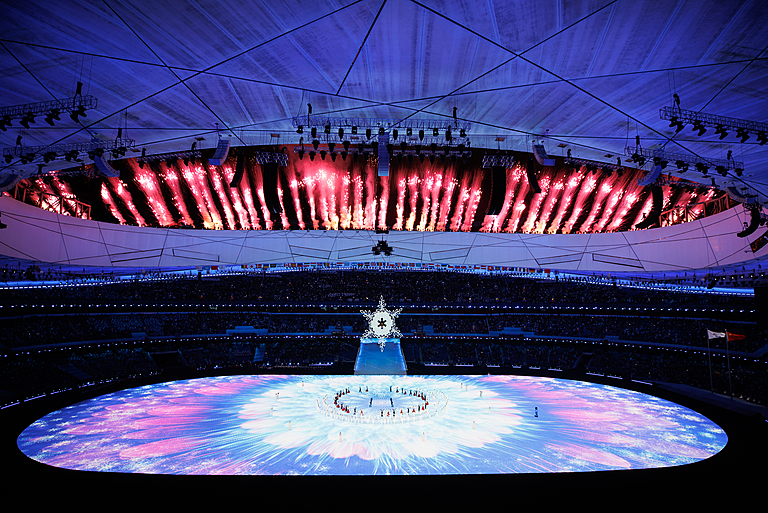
point(721, 123)
point(593, 165)
point(376, 123)
point(268, 157)
point(505, 161)
point(69, 151)
point(170, 157)
point(44, 108)
point(683, 161)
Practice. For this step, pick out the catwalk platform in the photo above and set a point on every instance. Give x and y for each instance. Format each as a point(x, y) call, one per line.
point(374, 358)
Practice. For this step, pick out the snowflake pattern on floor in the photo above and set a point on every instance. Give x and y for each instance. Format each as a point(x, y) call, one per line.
point(275, 425)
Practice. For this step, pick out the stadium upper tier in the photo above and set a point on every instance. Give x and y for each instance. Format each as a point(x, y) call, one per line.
point(710, 243)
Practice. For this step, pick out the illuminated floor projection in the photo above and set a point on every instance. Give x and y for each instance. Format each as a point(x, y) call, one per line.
point(371, 425)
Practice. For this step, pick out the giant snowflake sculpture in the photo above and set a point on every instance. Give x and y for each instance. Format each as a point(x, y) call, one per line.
point(381, 323)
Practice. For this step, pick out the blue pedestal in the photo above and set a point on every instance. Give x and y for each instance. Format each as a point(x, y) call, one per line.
point(372, 360)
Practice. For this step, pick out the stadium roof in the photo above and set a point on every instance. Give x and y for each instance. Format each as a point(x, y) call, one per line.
point(581, 76)
point(587, 75)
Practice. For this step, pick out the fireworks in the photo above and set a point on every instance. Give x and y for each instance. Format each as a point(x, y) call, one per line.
point(349, 194)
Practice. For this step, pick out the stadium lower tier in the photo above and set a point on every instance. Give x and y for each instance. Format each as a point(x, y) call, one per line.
point(30, 373)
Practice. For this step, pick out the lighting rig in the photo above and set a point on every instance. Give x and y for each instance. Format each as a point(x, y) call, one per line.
point(169, 158)
point(409, 127)
point(683, 161)
point(450, 136)
point(678, 118)
point(268, 157)
point(382, 247)
point(52, 110)
point(505, 161)
point(68, 152)
point(333, 149)
point(593, 166)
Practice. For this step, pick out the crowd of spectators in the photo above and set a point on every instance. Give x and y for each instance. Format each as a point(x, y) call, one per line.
point(26, 375)
point(364, 287)
point(25, 331)
point(279, 305)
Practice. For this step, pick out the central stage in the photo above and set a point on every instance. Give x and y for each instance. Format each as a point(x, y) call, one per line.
point(371, 425)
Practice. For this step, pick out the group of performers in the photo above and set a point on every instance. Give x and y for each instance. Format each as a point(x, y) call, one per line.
point(407, 410)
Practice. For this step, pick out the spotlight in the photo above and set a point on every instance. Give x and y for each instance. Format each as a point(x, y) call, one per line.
point(49, 156)
point(71, 155)
point(381, 130)
point(421, 135)
point(301, 154)
point(54, 114)
point(761, 138)
point(333, 156)
point(742, 134)
point(409, 131)
point(18, 140)
point(312, 156)
point(346, 145)
point(341, 133)
point(300, 130)
point(323, 154)
point(698, 126)
point(462, 133)
point(394, 134)
point(640, 159)
point(343, 155)
point(674, 121)
point(313, 131)
point(331, 146)
point(720, 130)
point(681, 165)
point(721, 170)
point(80, 111)
point(368, 133)
point(328, 128)
point(354, 129)
point(448, 135)
point(27, 119)
point(435, 132)
point(315, 144)
point(739, 171)
point(657, 161)
point(4, 123)
point(702, 168)
point(403, 146)
point(8, 158)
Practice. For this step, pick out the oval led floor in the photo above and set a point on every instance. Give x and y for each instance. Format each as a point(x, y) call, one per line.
point(371, 425)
